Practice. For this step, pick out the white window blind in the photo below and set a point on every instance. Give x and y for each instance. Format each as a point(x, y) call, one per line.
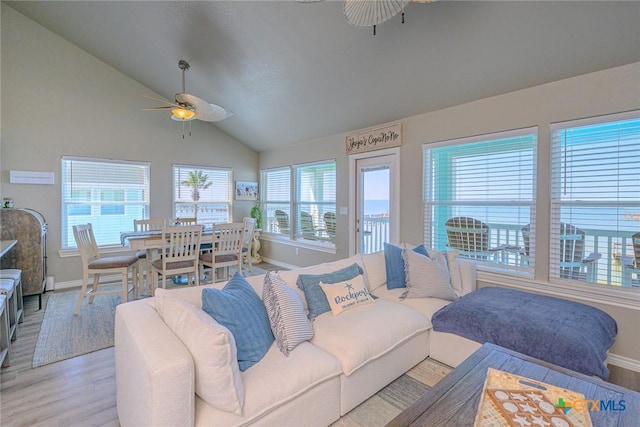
point(315, 198)
point(275, 200)
point(479, 198)
point(109, 194)
point(595, 201)
point(204, 193)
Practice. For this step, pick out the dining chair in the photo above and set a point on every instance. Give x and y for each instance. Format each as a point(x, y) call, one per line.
point(249, 226)
point(469, 236)
point(227, 250)
point(330, 224)
point(631, 264)
point(181, 221)
point(144, 266)
point(94, 265)
point(282, 218)
point(179, 254)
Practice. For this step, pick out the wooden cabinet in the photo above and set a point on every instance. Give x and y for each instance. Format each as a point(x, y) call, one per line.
point(29, 228)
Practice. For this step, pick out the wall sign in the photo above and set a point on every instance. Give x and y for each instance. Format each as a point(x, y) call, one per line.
point(28, 177)
point(374, 139)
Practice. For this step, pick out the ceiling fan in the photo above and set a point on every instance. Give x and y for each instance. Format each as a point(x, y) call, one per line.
point(188, 107)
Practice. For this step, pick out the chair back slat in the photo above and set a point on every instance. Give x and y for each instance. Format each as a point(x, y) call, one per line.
point(148, 224)
point(86, 242)
point(229, 238)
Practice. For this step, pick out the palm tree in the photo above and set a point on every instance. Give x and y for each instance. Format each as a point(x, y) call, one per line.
point(197, 181)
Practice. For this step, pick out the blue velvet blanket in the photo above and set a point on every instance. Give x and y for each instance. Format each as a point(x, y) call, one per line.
point(565, 333)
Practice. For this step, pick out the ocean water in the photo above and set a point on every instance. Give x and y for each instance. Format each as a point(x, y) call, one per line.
point(373, 207)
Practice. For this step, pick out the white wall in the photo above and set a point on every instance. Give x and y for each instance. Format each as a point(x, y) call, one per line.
point(594, 94)
point(59, 100)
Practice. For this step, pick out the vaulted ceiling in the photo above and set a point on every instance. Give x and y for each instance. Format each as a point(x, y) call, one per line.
point(292, 72)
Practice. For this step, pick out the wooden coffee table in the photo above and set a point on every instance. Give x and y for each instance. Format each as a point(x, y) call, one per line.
point(454, 400)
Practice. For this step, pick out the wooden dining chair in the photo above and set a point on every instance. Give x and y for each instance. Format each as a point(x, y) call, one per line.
point(181, 221)
point(144, 266)
point(94, 265)
point(179, 254)
point(249, 226)
point(227, 250)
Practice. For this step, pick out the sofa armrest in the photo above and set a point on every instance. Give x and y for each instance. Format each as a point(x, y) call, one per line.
point(155, 383)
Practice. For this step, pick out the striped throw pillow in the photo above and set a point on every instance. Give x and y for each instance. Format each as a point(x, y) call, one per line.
point(289, 323)
point(428, 277)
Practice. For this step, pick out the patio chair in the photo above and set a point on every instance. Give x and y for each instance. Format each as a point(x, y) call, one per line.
point(469, 236)
point(631, 264)
point(307, 227)
point(330, 224)
point(573, 264)
point(282, 218)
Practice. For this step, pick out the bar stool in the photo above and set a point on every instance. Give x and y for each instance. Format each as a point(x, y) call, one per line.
point(8, 288)
point(5, 340)
point(16, 275)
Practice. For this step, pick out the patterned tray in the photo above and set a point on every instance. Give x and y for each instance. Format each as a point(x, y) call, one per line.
point(511, 400)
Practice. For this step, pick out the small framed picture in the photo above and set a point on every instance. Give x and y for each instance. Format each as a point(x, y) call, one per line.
point(246, 190)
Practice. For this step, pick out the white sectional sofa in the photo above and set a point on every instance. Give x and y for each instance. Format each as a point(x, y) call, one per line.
point(350, 357)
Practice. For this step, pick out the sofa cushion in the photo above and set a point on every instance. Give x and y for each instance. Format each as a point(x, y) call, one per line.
point(367, 332)
point(347, 294)
point(310, 284)
point(375, 270)
point(212, 347)
point(287, 318)
point(425, 306)
point(428, 277)
point(275, 381)
point(394, 264)
point(240, 309)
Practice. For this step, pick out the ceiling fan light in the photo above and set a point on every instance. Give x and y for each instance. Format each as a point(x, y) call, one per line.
point(183, 113)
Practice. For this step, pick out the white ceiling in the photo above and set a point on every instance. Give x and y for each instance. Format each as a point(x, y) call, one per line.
point(292, 72)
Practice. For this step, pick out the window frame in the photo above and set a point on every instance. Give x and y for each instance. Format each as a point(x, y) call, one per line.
point(93, 199)
point(294, 237)
point(226, 200)
point(489, 261)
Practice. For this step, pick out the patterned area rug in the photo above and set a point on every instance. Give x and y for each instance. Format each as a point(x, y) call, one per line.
point(63, 335)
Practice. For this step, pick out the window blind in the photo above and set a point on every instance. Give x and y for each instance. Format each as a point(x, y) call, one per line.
point(109, 194)
point(315, 197)
point(595, 201)
point(204, 193)
point(490, 179)
point(275, 200)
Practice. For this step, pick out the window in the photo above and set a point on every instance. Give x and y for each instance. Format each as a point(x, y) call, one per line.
point(299, 212)
point(204, 193)
point(479, 198)
point(109, 194)
point(595, 196)
point(276, 200)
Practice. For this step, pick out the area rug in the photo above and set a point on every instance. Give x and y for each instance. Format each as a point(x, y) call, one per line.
point(63, 335)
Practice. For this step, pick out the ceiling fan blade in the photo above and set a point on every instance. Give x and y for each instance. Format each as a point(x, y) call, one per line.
point(162, 100)
point(157, 108)
point(214, 113)
point(204, 111)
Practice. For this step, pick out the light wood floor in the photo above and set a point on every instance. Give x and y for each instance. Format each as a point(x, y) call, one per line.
point(81, 391)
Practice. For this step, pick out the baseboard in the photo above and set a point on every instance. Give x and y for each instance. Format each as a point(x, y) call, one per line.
point(280, 264)
point(624, 362)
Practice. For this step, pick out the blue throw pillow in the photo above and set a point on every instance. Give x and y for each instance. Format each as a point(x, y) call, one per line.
point(394, 264)
point(238, 308)
point(313, 293)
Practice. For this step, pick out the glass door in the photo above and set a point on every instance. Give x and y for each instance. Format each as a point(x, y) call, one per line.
point(375, 203)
